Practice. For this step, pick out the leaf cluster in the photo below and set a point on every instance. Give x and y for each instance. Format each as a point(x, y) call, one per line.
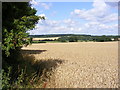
point(18, 18)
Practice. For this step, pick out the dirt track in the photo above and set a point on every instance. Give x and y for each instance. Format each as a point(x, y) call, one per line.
point(86, 64)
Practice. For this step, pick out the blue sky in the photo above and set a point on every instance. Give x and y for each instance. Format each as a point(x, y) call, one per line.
point(95, 18)
point(61, 10)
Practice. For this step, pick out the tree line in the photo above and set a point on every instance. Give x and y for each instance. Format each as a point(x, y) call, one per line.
point(77, 38)
point(88, 38)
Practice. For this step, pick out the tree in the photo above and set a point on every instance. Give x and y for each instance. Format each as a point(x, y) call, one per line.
point(73, 39)
point(18, 18)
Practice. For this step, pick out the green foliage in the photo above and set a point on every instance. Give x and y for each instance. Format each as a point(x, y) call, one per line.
point(62, 40)
point(18, 37)
point(21, 19)
point(20, 79)
point(70, 39)
point(81, 38)
point(18, 18)
point(103, 39)
point(6, 78)
point(26, 74)
point(8, 44)
point(8, 83)
point(73, 39)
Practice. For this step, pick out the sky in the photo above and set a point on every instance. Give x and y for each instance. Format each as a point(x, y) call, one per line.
point(93, 18)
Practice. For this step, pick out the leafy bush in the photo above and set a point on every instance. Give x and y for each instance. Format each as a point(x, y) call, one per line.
point(73, 39)
point(24, 78)
point(21, 19)
point(18, 18)
point(62, 39)
point(47, 40)
point(6, 79)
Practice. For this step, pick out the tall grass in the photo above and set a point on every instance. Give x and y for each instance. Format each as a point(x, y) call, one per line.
point(28, 72)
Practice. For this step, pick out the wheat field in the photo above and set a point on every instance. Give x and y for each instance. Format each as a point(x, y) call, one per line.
point(85, 64)
point(50, 38)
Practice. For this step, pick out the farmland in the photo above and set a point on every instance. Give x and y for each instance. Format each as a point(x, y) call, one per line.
point(72, 38)
point(50, 38)
point(85, 64)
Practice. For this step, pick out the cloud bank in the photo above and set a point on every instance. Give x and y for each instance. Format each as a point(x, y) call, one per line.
point(99, 20)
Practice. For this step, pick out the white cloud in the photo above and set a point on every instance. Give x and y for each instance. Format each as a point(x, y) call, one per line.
point(70, 21)
point(100, 28)
point(43, 15)
point(110, 18)
point(45, 5)
point(33, 2)
point(54, 26)
point(63, 27)
point(112, 4)
point(99, 21)
point(100, 12)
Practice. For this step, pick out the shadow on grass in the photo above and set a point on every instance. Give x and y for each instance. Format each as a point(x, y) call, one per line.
point(33, 51)
point(26, 71)
point(43, 67)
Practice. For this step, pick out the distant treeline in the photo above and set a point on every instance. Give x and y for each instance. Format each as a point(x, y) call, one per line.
point(88, 38)
point(56, 35)
point(77, 37)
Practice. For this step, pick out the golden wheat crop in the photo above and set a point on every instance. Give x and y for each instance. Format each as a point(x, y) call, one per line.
point(86, 64)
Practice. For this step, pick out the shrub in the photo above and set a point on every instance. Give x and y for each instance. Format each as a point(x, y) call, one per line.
point(61, 40)
point(73, 39)
point(21, 19)
point(6, 78)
